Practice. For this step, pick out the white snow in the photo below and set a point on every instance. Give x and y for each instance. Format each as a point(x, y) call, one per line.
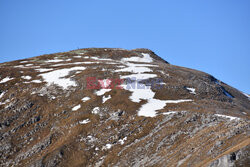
point(139, 65)
point(248, 96)
point(96, 110)
point(77, 56)
point(36, 81)
point(134, 69)
point(90, 62)
point(101, 59)
point(122, 141)
point(23, 61)
point(85, 99)
point(54, 61)
point(76, 107)
point(75, 63)
point(228, 117)
point(145, 59)
point(44, 69)
point(141, 94)
point(57, 77)
point(19, 66)
point(169, 112)
point(26, 77)
point(84, 121)
point(149, 109)
point(139, 76)
point(178, 101)
point(104, 98)
point(28, 65)
point(6, 80)
point(141, 72)
point(2, 94)
point(102, 92)
point(192, 90)
point(105, 83)
point(107, 146)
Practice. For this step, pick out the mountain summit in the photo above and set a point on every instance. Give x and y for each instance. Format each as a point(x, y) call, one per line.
point(116, 107)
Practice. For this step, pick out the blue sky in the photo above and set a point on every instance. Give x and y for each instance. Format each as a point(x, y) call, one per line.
point(212, 36)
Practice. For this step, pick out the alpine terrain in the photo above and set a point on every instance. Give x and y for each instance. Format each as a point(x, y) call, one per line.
point(115, 107)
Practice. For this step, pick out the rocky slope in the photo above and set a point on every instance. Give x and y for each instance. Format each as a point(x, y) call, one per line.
point(115, 107)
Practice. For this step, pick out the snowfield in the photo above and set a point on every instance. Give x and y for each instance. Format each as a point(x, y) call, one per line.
point(57, 77)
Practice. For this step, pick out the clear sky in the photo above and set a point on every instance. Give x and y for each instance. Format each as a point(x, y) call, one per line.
point(209, 35)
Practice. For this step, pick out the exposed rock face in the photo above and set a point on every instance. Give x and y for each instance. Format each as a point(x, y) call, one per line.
point(114, 107)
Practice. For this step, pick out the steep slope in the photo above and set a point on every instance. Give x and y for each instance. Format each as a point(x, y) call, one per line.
point(115, 107)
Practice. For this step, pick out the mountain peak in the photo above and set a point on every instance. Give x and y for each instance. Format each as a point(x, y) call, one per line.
point(110, 106)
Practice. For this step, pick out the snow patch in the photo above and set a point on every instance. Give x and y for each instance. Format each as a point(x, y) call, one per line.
point(84, 121)
point(227, 117)
point(28, 65)
point(104, 99)
point(75, 63)
point(102, 92)
point(169, 113)
point(23, 61)
point(192, 90)
point(178, 101)
point(105, 83)
point(141, 94)
point(57, 77)
point(107, 146)
point(36, 81)
point(54, 61)
point(85, 99)
point(102, 59)
point(44, 69)
point(139, 76)
point(76, 107)
point(26, 77)
point(134, 69)
point(145, 59)
point(122, 141)
point(96, 110)
point(248, 96)
point(77, 56)
point(2, 94)
point(6, 80)
point(149, 109)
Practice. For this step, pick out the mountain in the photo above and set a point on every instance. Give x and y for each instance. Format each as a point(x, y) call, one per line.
point(115, 107)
